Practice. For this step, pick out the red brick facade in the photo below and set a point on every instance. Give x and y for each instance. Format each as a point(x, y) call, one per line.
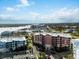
point(52, 41)
point(48, 39)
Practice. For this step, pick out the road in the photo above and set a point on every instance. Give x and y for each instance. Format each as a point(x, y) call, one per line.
point(19, 55)
point(35, 50)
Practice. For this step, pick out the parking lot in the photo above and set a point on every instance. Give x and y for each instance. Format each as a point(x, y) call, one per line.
point(17, 55)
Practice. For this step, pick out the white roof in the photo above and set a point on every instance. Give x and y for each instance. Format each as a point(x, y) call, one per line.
point(55, 34)
point(40, 33)
point(36, 33)
point(19, 39)
point(28, 31)
point(10, 39)
point(5, 40)
point(61, 34)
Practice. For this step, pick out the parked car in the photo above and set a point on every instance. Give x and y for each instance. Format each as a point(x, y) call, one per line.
point(52, 52)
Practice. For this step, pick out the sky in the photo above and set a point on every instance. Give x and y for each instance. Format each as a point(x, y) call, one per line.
point(39, 11)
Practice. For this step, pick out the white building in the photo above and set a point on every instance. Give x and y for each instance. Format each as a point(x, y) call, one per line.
point(11, 43)
point(76, 48)
point(3, 45)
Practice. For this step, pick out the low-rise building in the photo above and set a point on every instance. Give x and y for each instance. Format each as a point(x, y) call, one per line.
point(11, 43)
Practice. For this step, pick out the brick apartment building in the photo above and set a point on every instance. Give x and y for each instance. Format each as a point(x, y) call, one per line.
point(38, 38)
point(53, 40)
point(48, 41)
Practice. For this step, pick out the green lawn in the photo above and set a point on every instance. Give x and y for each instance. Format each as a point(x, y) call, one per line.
point(68, 55)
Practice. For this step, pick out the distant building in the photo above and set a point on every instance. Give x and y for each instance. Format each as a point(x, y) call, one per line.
point(11, 43)
point(7, 33)
point(70, 31)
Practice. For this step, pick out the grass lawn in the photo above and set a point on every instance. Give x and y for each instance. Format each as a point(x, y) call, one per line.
point(68, 55)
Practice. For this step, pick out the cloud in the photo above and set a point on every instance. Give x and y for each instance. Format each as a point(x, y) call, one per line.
point(34, 15)
point(55, 16)
point(17, 7)
point(5, 16)
point(63, 15)
point(11, 9)
point(23, 3)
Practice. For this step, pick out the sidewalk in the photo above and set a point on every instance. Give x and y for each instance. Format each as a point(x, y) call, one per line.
point(35, 50)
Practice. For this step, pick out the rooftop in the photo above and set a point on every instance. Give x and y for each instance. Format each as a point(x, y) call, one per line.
point(55, 34)
point(10, 39)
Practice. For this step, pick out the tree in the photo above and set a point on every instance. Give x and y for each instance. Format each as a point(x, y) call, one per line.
point(29, 46)
point(36, 57)
point(42, 56)
point(29, 42)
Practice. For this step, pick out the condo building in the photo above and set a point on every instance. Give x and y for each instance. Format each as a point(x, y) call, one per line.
point(75, 43)
point(11, 43)
point(53, 40)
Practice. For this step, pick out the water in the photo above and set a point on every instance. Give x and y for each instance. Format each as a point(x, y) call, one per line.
point(2, 29)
